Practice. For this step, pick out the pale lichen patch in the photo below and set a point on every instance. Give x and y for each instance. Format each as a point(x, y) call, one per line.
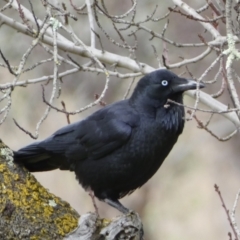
point(52, 203)
point(7, 154)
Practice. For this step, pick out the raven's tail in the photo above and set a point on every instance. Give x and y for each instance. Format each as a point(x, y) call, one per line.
point(37, 159)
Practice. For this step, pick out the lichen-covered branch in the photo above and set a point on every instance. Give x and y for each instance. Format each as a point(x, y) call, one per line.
point(27, 209)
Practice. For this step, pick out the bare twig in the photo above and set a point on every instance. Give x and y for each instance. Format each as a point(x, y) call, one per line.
point(233, 214)
point(24, 130)
point(91, 22)
point(226, 210)
point(67, 115)
point(205, 127)
point(8, 64)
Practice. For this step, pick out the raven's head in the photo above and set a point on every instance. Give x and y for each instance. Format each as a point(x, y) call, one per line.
point(161, 85)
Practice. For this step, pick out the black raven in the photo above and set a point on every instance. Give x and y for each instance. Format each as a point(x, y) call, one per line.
point(119, 147)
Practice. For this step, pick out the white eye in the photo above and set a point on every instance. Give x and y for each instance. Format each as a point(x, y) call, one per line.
point(164, 83)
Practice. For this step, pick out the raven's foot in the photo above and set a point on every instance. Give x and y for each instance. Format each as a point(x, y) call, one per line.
point(116, 204)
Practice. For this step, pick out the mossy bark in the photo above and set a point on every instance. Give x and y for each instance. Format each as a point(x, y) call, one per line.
point(29, 211)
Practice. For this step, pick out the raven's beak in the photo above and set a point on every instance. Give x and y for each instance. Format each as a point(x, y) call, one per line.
point(186, 84)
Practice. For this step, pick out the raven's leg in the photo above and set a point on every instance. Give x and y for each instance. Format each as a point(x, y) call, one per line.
point(116, 204)
point(91, 194)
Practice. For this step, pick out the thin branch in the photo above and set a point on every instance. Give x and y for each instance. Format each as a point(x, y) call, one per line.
point(226, 210)
point(6, 6)
point(91, 23)
point(233, 214)
point(7, 63)
point(122, 15)
point(197, 19)
point(191, 60)
point(55, 25)
point(67, 115)
point(129, 88)
point(24, 130)
point(204, 126)
point(193, 13)
point(7, 108)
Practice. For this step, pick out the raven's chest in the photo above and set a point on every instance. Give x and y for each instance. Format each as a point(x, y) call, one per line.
point(157, 135)
point(149, 146)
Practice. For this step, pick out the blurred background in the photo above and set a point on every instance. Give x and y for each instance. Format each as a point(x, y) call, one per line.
point(179, 202)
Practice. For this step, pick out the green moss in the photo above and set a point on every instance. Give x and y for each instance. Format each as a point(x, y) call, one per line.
point(65, 224)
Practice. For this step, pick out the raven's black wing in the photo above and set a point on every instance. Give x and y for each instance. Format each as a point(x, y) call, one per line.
point(105, 131)
point(93, 138)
